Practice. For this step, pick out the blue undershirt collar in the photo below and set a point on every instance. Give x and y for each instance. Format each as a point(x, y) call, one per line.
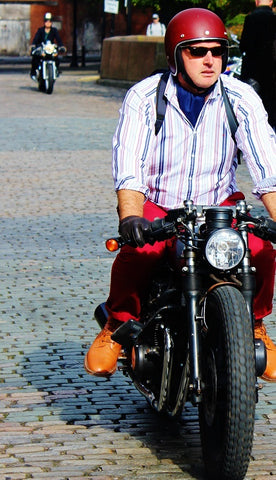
point(191, 104)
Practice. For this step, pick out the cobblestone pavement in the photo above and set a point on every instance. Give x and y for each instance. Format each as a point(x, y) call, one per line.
point(57, 208)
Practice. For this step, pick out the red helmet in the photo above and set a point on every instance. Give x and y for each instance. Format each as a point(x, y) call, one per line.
point(193, 25)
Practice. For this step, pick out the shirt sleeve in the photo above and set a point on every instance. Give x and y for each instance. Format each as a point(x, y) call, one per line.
point(149, 29)
point(257, 141)
point(57, 38)
point(38, 38)
point(132, 144)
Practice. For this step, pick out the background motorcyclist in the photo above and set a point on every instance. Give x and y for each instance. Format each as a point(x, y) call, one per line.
point(44, 34)
point(192, 157)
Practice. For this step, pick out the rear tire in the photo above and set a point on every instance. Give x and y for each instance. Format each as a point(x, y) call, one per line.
point(227, 412)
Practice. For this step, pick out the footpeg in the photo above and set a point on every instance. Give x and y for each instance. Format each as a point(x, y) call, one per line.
point(127, 334)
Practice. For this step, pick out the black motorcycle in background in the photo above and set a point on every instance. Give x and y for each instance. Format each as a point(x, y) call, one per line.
point(195, 339)
point(47, 70)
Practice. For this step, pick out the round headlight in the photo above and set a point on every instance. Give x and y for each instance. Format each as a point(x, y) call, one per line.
point(224, 249)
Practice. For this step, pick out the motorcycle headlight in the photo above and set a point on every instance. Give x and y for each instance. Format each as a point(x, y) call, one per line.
point(224, 249)
point(49, 49)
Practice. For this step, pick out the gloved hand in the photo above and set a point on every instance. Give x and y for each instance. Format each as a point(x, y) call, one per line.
point(132, 230)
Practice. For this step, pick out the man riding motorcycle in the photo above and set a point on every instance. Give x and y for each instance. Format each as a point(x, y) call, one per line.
point(44, 34)
point(192, 157)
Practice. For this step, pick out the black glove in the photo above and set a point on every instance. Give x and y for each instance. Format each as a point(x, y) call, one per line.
point(266, 229)
point(133, 228)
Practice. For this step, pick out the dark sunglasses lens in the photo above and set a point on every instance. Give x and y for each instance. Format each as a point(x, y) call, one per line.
point(218, 51)
point(202, 51)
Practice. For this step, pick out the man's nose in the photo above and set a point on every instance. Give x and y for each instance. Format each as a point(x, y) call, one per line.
point(208, 57)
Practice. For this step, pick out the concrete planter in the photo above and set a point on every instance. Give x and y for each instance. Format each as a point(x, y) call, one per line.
point(132, 58)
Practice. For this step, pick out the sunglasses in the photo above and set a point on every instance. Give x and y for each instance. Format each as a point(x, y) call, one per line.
point(202, 51)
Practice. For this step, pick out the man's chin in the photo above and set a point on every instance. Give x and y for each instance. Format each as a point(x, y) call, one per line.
point(206, 83)
point(200, 85)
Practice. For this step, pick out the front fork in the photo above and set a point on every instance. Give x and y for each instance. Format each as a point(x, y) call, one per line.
point(248, 281)
point(45, 70)
point(191, 288)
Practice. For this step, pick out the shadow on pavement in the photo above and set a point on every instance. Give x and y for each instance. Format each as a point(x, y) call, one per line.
point(71, 395)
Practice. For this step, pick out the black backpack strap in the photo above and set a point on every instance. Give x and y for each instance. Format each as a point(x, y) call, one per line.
point(161, 101)
point(232, 119)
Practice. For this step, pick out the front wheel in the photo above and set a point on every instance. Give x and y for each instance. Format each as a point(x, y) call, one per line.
point(49, 80)
point(227, 411)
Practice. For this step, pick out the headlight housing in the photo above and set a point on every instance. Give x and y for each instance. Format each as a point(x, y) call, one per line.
point(50, 48)
point(225, 249)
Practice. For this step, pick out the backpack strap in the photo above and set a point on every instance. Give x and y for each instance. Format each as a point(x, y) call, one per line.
point(161, 101)
point(232, 119)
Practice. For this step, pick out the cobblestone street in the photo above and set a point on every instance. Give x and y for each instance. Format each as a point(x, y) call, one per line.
point(57, 207)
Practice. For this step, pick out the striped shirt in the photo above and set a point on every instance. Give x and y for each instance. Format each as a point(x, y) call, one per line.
point(185, 162)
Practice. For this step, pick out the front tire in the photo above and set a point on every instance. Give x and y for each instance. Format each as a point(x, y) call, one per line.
point(227, 411)
point(49, 81)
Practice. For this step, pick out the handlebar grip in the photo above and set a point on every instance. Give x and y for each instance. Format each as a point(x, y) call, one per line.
point(160, 230)
point(271, 230)
point(266, 229)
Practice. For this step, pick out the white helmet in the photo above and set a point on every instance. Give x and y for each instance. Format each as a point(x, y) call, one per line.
point(48, 17)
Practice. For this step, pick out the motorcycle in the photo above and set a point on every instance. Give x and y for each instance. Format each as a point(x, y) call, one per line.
point(234, 64)
point(47, 71)
point(195, 339)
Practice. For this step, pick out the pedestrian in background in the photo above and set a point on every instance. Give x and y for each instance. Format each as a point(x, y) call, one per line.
point(156, 29)
point(259, 62)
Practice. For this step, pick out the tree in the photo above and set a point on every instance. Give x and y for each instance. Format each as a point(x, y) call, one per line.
point(227, 9)
point(231, 11)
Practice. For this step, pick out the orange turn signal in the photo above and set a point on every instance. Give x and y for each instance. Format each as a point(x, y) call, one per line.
point(112, 245)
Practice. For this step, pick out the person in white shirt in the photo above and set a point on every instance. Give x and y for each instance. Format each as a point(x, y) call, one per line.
point(194, 157)
point(156, 29)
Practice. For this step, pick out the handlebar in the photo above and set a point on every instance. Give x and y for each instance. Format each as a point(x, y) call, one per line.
point(165, 228)
point(160, 230)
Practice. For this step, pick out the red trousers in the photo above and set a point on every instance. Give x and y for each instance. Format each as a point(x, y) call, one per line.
point(131, 271)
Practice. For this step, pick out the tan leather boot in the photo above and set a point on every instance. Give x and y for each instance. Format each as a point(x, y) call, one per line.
point(101, 358)
point(260, 332)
